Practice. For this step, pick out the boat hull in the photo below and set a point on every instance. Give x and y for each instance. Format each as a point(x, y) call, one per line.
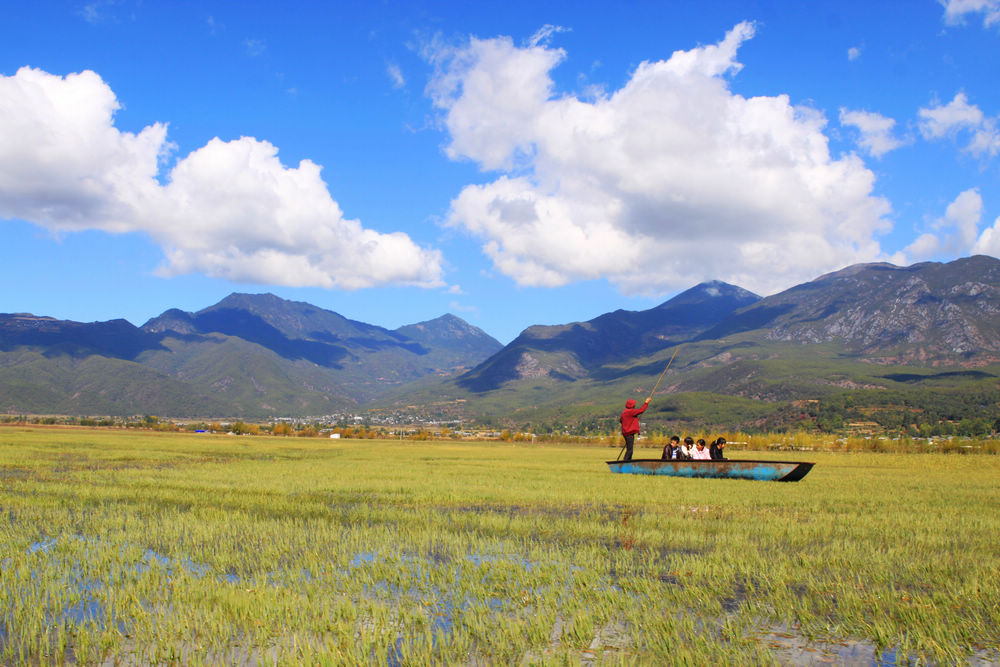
point(770, 471)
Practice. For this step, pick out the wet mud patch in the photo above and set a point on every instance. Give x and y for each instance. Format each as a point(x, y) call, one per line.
point(790, 647)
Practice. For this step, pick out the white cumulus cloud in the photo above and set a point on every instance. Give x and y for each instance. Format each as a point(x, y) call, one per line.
point(492, 91)
point(941, 120)
point(62, 162)
point(959, 118)
point(229, 209)
point(956, 10)
point(955, 233)
point(669, 180)
point(988, 242)
point(875, 130)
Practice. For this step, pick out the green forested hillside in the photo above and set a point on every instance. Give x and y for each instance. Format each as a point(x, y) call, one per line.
point(31, 382)
point(250, 356)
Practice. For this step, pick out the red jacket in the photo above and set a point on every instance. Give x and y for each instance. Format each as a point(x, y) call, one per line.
point(630, 416)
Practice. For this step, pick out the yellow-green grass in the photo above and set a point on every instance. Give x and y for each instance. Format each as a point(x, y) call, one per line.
point(198, 548)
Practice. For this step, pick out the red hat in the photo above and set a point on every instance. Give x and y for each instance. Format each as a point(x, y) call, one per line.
point(630, 403)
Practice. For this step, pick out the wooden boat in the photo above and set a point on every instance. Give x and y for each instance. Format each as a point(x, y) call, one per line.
point(772, 471)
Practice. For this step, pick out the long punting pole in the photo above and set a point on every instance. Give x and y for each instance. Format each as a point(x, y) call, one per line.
point(654, 389)
point(664, 371)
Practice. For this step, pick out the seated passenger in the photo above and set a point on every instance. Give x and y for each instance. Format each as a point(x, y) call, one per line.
point(686, 447)
point(670, 449)
point(716, 450)
point(701, 452)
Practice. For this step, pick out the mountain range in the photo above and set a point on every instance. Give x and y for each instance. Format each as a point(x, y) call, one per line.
point(868, 326)
point(249, 355)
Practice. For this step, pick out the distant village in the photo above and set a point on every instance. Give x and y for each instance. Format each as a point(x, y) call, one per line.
point(398, 424)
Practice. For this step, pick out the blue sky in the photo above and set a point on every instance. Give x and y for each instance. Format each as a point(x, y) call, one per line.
point(512, 163)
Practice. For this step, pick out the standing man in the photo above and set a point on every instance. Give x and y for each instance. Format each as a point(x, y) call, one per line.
point(629, 420)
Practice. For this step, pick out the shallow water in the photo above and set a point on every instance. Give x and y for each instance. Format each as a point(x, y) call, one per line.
point(786, 644)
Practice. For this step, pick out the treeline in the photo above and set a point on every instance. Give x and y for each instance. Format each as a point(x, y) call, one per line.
point(303, 429)
point(923, 413)
point(916, 413)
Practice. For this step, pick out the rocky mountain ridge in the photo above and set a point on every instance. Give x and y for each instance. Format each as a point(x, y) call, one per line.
point(924, 313)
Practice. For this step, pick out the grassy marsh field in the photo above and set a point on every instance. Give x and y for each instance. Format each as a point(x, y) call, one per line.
point(125, 547)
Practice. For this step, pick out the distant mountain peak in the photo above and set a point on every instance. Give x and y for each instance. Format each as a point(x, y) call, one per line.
point(855, 269)
point(572, 351)
point(260, 302)
point(248, 296)
point(708, 293)
point(295, 319)
point(717, 288)
point(31, 316)
point(453, 332)
point(171, 320)
point(447, 318)
point(446, 321)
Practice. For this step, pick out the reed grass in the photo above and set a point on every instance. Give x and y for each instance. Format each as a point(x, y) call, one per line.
point(158, 547)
